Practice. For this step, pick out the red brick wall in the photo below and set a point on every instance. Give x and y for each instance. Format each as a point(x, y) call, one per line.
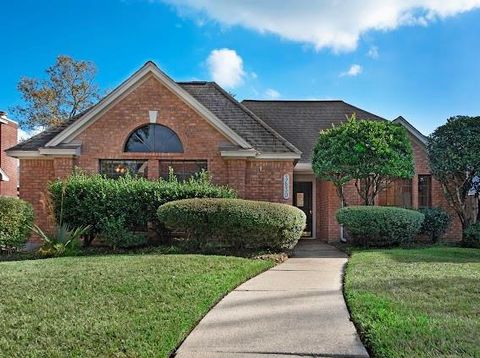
point(8, 138)
point(328, 202)
point(264, 180)
point(106, 137)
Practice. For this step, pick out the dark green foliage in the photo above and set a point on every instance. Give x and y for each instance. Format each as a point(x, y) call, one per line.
point(436, 223)
point(114, 234)
point(238, 223)
point(16, 220)
point(367, 151)
point(454, 155)
point(380, 226)
point(89, 199)
point(471, 236)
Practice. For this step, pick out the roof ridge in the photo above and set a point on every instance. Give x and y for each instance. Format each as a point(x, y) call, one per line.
point(256, 118)
point(294, 100)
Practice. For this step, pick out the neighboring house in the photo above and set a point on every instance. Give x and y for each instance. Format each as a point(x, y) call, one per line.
point(8, 165)
point(260, 148)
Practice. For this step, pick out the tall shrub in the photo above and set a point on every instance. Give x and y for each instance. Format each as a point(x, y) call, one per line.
point(454, 155)
point(16, 220)
point(93, 199)
point(370, 152)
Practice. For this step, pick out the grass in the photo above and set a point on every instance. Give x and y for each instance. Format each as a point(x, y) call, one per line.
point(416, 302)
point(111, 306)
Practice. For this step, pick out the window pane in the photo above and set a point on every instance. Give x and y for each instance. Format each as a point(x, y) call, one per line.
point(399, 193)
point(424, 191)
point(118, 168)
point(183, 169)
point(154, 138)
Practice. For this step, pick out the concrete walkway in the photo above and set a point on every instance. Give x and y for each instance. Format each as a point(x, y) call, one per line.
point(296, 309)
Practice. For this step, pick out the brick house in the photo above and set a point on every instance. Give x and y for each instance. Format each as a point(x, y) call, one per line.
point(8, 165)
point(260, 148)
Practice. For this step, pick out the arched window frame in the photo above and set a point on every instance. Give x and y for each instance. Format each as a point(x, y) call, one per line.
point(170, 143)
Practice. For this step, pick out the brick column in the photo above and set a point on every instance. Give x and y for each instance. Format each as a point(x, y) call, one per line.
point(236, 175)
point(153, 169)
point(63, 167)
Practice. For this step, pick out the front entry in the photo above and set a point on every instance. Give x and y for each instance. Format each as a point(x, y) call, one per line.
point(302, 199)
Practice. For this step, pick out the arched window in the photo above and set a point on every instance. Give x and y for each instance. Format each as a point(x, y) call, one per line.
point(154, 138)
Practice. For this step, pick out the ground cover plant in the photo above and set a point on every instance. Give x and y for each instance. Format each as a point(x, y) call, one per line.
point(416, 302)
point(111, 306)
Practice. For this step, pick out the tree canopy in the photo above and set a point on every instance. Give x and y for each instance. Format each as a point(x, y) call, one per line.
point(68, 90)
point(370, 152)
point(454, 155)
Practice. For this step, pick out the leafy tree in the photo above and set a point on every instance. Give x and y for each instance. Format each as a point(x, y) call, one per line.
point(68, 90)
point(371, 153)
point(454, 154)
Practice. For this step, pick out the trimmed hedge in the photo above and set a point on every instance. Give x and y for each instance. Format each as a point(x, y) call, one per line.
point(16, 220)
point(436, 223)
point(93, 199)
point(380, 226)
point(237, 223)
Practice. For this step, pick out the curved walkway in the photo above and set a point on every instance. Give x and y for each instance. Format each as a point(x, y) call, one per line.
point(295, 309)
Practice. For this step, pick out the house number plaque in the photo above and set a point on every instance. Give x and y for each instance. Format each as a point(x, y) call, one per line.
point(286, 186)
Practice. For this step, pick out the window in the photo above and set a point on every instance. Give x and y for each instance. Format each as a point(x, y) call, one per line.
point(183, 169)
point(118, 168)
point(154, 138)
point(399, 193)
point(424, 191)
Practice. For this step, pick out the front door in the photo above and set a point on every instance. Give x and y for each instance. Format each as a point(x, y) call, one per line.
point(302, 199)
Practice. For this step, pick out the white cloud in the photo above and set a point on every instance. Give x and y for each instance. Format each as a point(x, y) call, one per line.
point(272, 94)
point(226, 67)
point(353, 71)
point(373, 52)
point(323, 23)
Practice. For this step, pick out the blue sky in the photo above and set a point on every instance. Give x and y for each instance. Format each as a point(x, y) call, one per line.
point(421, 62)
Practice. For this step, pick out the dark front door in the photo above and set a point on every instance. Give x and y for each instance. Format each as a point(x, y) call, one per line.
point(302, 199)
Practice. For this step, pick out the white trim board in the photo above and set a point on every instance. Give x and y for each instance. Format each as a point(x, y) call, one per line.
point(3, 175)
point(148, 69)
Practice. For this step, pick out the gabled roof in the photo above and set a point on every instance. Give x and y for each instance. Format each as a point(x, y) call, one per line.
point(232, 119)
point(411, 129)
point(300, 122)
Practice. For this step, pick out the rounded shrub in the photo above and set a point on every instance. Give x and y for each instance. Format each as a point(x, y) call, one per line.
point(380, 226)
point(16, 220)
point(235, 222)
point(436, 223)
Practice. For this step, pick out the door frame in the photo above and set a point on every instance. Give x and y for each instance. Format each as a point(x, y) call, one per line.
point(308, 178)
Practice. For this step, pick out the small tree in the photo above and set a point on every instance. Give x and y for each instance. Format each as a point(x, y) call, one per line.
point(371, 153)
point(454, 155)
point(69, 90)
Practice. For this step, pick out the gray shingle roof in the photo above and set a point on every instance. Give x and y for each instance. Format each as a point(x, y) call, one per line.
point(236, 116)
point(301, 121)
point(239, 118)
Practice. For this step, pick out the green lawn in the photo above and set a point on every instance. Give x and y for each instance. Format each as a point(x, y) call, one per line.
point(416, 302)
point(111, 306)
